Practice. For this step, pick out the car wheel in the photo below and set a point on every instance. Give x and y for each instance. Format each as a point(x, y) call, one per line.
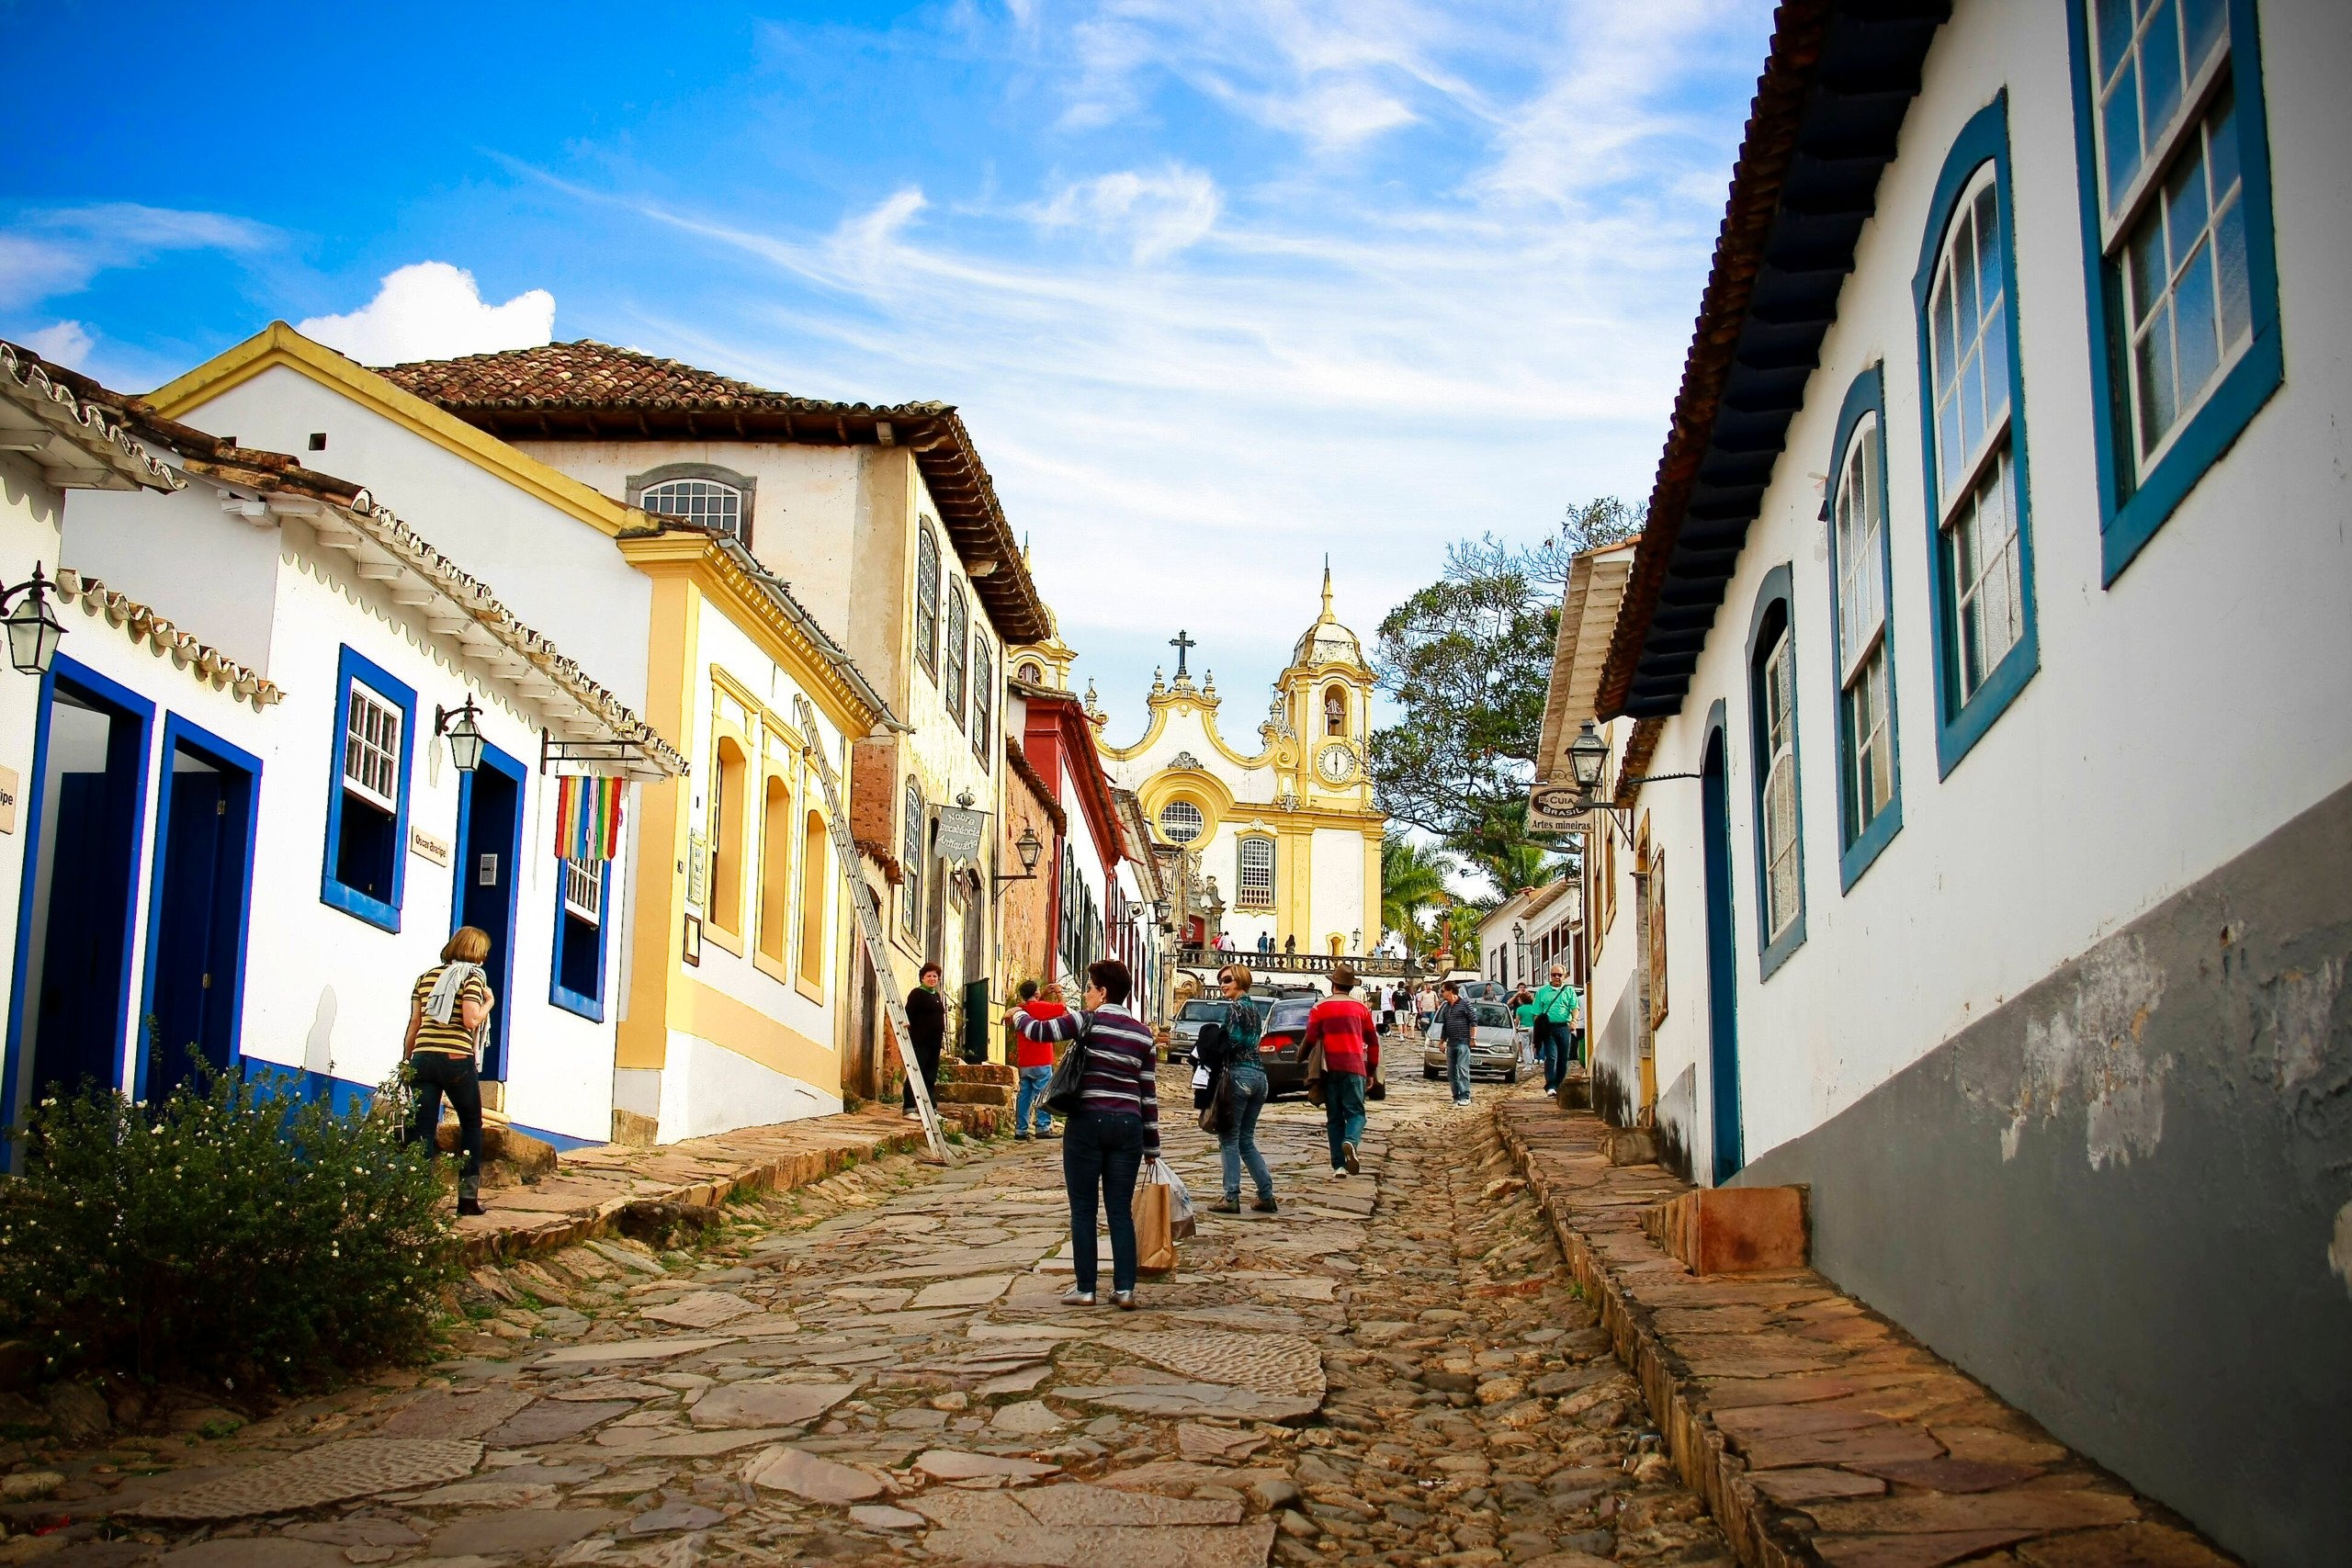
point(1431, 1073)
point(1511, 1076)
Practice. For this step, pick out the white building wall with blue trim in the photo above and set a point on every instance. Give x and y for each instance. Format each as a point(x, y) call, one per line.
point(2063, 1054)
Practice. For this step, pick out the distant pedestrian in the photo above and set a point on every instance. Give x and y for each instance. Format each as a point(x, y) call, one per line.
point(1457, 1024)
point(926, 1032)
point(1290, 945)
point(1265, 941)
point(1342, 1027)
point(448, 1009)
point(1555, 1010)
point(1034, 1059)
point(1116, 1129)
point(1246, 1095)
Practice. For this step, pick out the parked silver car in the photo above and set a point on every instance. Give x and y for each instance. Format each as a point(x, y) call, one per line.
point(1498, 1045)
point(1185, 1031)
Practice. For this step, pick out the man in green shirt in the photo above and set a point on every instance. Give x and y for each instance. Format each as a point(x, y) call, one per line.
point(1556, 1010)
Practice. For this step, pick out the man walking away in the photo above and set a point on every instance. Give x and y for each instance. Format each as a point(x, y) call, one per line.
point(1555, 1008)
point(926, 1031)
point(1457, 1022)
point(1343, 1027)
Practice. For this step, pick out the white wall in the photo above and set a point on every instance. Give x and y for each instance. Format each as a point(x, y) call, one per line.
point(557, 574)
point(2178, 716)
point(31, 514)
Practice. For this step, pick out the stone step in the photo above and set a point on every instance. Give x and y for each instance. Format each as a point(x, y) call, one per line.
point(1629, 1146)
point(978, 1121)
point(1733, 1230)
point(955, 1071)
point(952, 1092)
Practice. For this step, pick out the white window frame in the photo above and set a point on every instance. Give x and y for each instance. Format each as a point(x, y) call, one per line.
point(1861, 622)
point(957, 662)
point(1244, 896)
point(361, 748)
point(1779, 794)
point(709, 504)
point(583, 890)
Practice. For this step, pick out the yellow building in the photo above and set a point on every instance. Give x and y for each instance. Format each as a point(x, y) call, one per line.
point(1288, 831)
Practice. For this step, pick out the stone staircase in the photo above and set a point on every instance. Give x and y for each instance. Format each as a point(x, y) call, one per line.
point(978, 1096)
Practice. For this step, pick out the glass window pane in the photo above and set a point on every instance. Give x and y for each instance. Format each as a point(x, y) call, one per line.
point(2237, 291)
point(2185, 203)
point(2160, 71)
point(2199, 351)
point(2205, 23)
point(1963, 266)
point(2222, 142)
point(2111, 25)
point(2152, 363)
point(1939, 314)
point(1972, 409)
point(2144, 264)
point(2120, 136)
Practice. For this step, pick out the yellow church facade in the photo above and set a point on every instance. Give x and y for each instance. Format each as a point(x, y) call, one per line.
point(1287, 830)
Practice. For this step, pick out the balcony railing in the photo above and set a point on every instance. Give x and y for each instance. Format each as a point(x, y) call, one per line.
point(1198, 957)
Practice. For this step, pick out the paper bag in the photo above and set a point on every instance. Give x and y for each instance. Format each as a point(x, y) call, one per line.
point(1155, 1241)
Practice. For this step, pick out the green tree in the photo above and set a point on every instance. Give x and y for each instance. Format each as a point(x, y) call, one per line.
point(1466, 660)
point(1412, 883)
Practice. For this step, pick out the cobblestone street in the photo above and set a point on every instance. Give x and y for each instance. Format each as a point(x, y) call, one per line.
point(877, 1368)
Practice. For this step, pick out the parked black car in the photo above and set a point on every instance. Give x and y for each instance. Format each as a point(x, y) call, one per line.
point(1282, 1049)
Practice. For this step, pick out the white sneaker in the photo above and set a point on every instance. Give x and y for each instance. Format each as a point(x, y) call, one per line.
point(1339, 1173)
point(1347, 1158)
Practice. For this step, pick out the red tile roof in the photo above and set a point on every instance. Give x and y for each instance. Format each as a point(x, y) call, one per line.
point(593, 391)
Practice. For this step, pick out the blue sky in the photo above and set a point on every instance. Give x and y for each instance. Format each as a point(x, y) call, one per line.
point(1220, 285)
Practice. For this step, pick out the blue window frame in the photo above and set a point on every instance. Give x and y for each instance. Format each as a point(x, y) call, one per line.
point(1780, 814)
point(1972, 413)
point(1861, 631)
point(576, 977)
point(2174, 152)
point(365, 863)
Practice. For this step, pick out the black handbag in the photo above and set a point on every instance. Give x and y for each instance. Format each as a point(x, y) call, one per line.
point(1069, 1073)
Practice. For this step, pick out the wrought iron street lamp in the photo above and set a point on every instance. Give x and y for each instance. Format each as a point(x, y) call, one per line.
point(1028, 847)
point(1588, 757)
point(461, 725)
point(33, 632)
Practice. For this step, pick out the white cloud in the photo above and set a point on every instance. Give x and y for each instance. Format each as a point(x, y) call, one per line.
point(65, 343)
point(1155, 215)
point(51, 251)
point(432, 310)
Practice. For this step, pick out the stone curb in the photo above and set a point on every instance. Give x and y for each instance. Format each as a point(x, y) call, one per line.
point(1601, 1231)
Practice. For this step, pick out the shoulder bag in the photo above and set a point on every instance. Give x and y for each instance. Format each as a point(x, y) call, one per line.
point(1069, 1073)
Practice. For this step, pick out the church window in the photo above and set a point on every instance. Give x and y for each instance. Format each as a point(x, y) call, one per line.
point(1335, 712)
point(704, 502)
point(1254, 887)
point(1033, 673)
point(927, 598)
point(1182, 822)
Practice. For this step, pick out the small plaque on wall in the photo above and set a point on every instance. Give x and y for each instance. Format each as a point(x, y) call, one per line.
point(424, 846)
point(9, 788)
point(692, 949)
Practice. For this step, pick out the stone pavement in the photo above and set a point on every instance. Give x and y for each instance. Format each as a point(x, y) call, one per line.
point(1818, 1431)
point(875, 1368)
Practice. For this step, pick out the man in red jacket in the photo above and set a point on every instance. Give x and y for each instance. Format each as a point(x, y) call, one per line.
point(1344, 1028)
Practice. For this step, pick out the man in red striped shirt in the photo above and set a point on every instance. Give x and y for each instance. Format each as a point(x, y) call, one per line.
point(1344, 1028)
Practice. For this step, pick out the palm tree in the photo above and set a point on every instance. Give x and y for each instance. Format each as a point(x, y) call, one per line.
point(1412, 881)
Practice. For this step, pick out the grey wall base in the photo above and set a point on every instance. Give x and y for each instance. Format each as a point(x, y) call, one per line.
point(2123, 1200)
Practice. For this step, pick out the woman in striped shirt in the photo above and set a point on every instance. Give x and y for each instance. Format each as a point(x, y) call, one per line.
point(1116, 1127)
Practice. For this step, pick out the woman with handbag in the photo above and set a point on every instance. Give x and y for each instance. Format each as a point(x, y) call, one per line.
point(447, 1008)
point(1241, 1095)
point(1107, 1087)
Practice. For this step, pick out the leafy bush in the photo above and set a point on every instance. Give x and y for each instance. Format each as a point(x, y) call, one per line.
point(226, 1233)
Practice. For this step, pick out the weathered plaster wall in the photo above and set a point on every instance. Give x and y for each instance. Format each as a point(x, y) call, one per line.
point(2124, 1199)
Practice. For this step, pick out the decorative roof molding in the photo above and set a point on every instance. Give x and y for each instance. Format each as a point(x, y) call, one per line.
point(1836, 85)
point(111, 459)
point(144, 626)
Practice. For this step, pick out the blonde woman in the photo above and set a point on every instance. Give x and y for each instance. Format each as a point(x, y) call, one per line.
point(1246, 1095)
point(449, 1008)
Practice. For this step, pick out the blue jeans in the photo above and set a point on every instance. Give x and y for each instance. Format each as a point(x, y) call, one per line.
point(1032, 1092)
point(1343, 1111)
point(1246, 1096)
point(1101, 1155)
point(1457, 1063)
point(1551, 1050)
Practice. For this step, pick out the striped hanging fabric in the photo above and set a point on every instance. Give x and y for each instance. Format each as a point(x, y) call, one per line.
point(588, 817)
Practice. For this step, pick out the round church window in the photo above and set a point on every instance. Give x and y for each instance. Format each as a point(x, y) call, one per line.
point(1182, 822)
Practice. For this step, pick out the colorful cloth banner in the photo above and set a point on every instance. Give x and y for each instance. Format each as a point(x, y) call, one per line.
point(588, 817)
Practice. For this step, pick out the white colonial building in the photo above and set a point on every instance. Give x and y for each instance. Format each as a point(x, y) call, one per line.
point(1289, 831)
point(1979, 843)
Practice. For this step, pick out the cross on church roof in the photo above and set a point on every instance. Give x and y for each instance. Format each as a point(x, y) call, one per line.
point(1184, 643)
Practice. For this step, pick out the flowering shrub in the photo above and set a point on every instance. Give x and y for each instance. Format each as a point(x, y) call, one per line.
point(224, 1232)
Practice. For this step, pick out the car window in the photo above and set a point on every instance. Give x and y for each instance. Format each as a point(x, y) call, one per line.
point(1203, 1012)
point(1289, 1014)
point(1491, 1016)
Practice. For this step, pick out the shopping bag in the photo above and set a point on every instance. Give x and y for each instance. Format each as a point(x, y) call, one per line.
point(1155, 1241)
point(1181, 1223)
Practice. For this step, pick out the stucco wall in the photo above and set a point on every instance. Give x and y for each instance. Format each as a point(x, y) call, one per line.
point(2185, 1313)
